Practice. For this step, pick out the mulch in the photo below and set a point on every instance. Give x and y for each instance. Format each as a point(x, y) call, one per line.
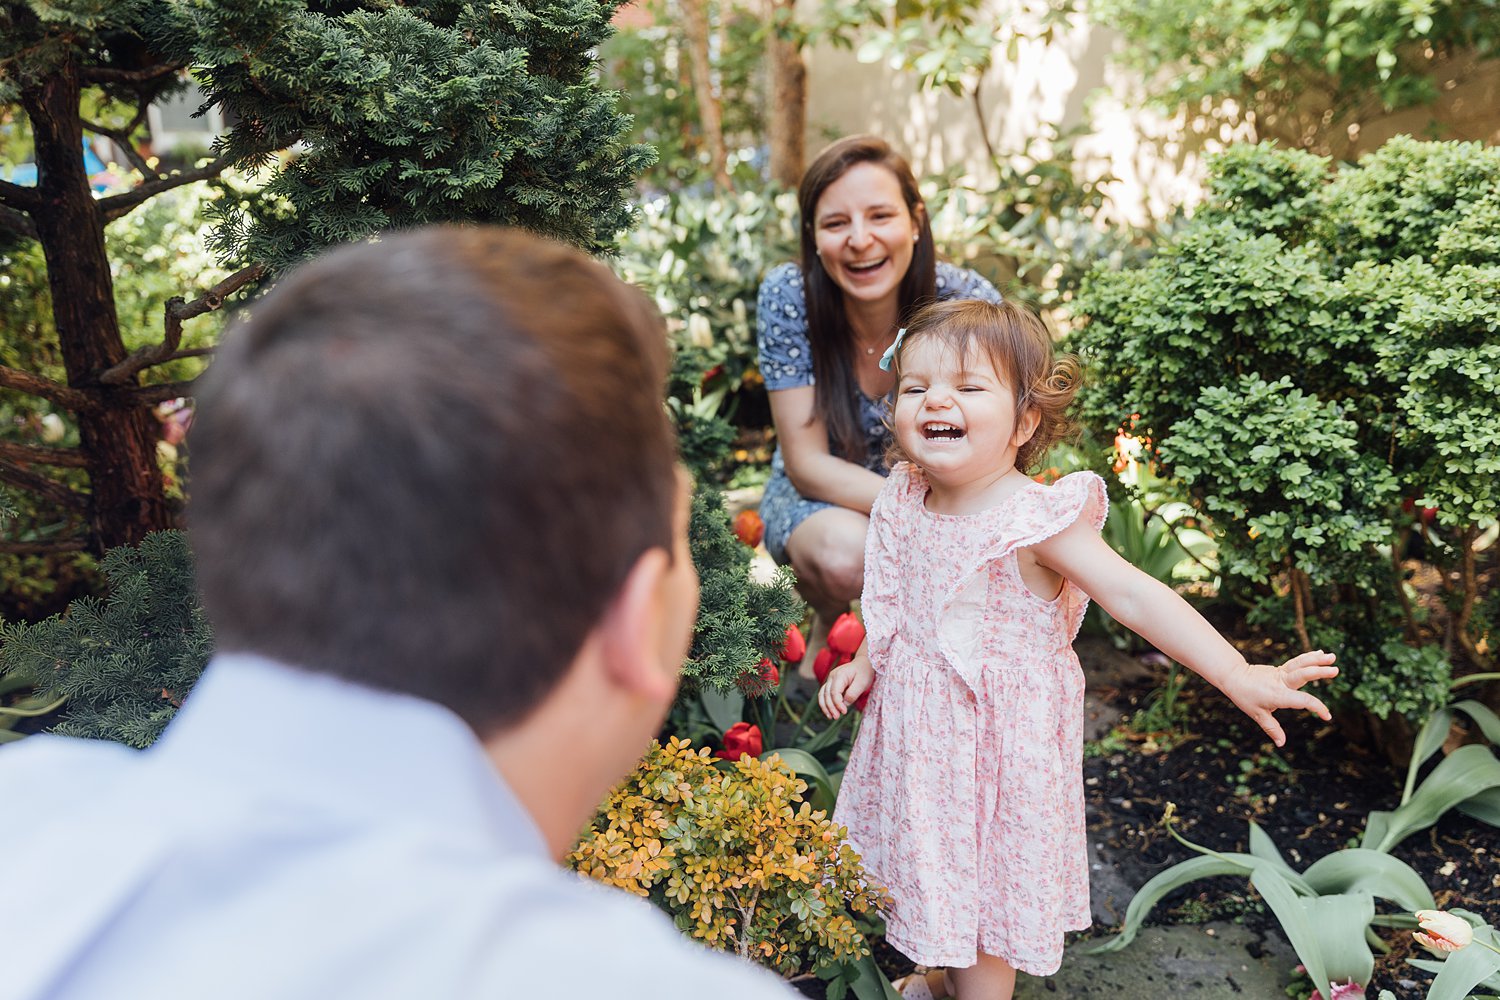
point(1312, 797)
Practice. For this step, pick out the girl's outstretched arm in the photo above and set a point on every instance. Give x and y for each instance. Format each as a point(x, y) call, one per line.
point(1160, 615)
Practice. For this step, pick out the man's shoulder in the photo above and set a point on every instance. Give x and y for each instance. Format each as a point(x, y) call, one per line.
point(578, 937)
point(57, 767)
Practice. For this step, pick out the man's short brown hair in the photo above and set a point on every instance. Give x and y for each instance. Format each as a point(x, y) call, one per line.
point(427, 464)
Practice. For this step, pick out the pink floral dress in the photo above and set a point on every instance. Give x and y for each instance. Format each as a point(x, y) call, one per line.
point(964, 791)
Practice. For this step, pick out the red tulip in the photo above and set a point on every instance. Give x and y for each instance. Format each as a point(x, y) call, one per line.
point(822, 664)
point(795, 647)
point(749, 528)
point(769, 674)
point(846, 635)
point(742, 738)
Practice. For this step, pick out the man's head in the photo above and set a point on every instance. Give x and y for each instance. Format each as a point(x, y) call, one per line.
point(430, 464)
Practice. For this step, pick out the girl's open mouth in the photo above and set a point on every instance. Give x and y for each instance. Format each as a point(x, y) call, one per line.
point(942, 432)
point(866, 268)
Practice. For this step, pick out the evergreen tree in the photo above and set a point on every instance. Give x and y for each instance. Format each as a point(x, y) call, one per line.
point(398, 114)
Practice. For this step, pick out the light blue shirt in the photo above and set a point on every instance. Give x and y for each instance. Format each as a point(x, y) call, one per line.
point(295, 836)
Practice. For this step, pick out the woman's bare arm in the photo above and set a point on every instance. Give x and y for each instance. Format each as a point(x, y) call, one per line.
point(812, 468)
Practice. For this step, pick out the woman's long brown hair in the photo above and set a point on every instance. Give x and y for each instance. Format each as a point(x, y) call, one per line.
point(828, 330)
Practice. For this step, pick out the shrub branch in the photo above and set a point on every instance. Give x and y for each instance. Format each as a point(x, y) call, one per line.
point(117, 205)
point(54, 392)
point(176, 312)
point(35, 454)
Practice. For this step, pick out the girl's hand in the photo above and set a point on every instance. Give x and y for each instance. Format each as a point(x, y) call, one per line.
point(1259, 689)
point(844, 686)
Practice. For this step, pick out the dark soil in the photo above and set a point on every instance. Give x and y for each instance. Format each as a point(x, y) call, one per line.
point(1312, 797)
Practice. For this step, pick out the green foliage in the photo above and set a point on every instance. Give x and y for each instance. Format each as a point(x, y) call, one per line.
point(1270, 57)
point(125, 663)
point(701, 259)
point(1310, 352)
point(407, 114)
point(740, 621)
point(735, 856)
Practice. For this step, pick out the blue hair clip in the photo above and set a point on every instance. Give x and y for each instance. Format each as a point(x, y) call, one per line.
point(890, 352)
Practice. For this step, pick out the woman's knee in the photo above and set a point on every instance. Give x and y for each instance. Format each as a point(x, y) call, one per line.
point(836, 564)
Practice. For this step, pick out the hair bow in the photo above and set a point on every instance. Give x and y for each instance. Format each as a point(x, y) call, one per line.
point(890, 352)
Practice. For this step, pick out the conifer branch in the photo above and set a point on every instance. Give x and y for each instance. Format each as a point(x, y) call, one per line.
point(106, 74)
point(19, 197)
point(116, 205)
point(35, 454)
point(173, 315)
point(16, 222)
point(55, 392)
point(122, 138)
point(48, 489)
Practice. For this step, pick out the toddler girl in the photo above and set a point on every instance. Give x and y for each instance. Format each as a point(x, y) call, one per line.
point(964, 791)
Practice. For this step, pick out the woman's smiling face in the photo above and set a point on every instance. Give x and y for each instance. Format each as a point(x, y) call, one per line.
point(864, 233)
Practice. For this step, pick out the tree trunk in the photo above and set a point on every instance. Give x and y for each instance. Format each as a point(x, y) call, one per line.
point(787, 104)
point(119, 435)
point(695, 21)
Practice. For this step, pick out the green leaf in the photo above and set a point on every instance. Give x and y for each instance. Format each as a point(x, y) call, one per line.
point(1327, 932)
point(724, 708)
point(820, 786)
point(1484, 807)
point(1173, 878)
point(1264, 848)
point(1463, 774)
point(870, 983)
point(1429, 740)
point(1360, 870)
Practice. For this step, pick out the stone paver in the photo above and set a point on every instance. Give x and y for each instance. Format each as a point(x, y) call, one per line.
point(1181, 963)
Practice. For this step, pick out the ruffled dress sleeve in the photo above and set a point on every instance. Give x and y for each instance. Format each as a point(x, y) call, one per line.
point(1076, 496)
point(880, 602)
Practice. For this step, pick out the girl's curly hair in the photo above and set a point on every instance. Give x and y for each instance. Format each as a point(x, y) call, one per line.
point(1017, 344)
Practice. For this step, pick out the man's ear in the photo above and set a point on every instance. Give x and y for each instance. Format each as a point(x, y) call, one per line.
point(632, 633)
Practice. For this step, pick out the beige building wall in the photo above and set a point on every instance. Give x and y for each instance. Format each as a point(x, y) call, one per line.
point(1158, 162)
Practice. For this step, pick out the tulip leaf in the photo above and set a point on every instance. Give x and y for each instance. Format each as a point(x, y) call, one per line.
point(1173, 878)
point(1434, 733)
point(724, 708)
point(1360, 870)
point(1429, 740)
point(1435, 965)
point(870, 983)
point(1463, 774)
point(1264, 848)
point(1484, 717)
point(820, 789)
point(1485, 806)
point(1326, 932)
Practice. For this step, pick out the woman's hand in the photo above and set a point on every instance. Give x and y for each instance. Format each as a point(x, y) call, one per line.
point(845, 685)
point(1259, 689)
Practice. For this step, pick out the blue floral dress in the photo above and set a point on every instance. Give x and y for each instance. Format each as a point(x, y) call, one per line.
point(786, 363)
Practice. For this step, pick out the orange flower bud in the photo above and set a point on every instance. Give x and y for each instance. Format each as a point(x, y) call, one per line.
point(749, 528)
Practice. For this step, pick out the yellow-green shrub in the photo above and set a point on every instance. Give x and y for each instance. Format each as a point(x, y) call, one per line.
point(734, 855)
